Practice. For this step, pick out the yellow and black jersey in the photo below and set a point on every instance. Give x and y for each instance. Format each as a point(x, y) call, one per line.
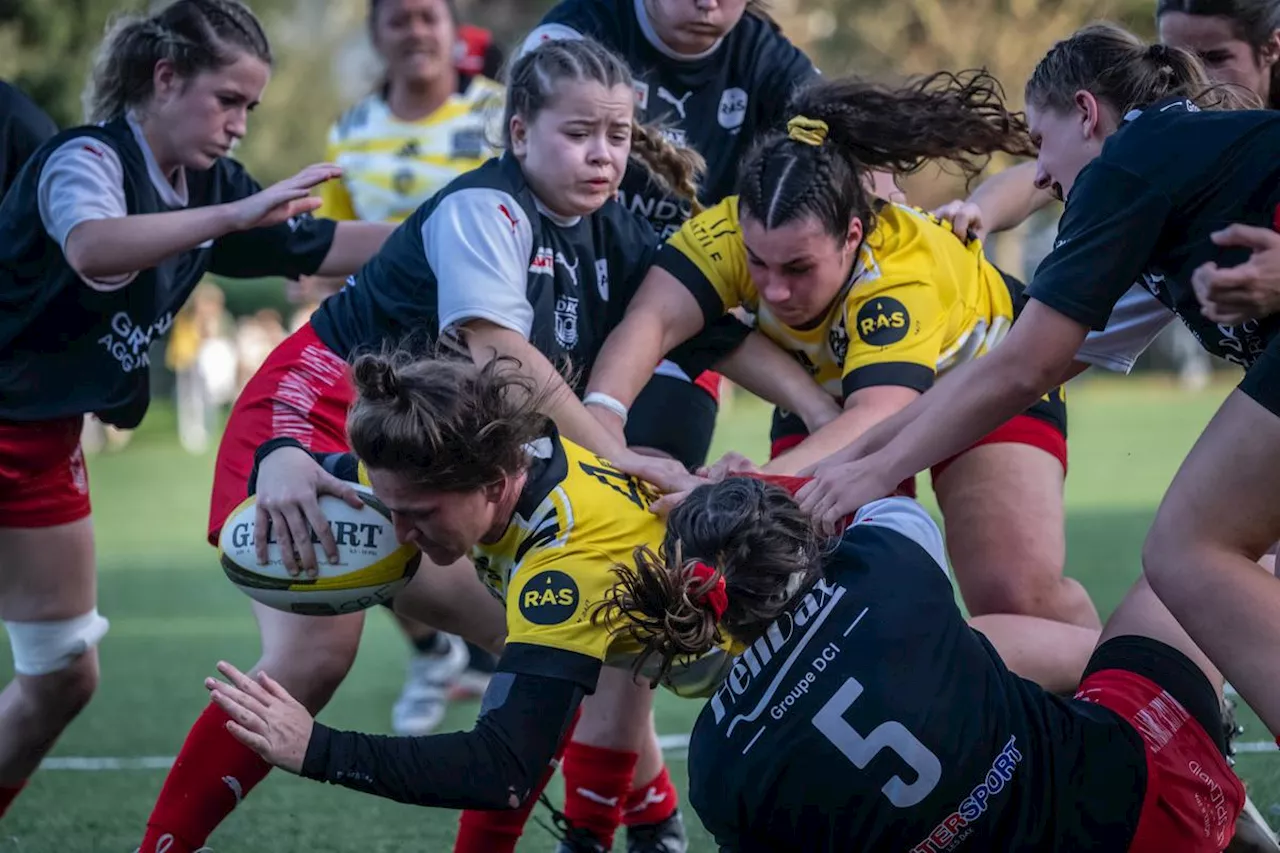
point(577, 518)
point(918, 303)
point(390, 167)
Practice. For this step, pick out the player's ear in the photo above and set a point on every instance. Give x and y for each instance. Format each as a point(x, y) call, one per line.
point(854, 235)
point(1092, 115)
point(164, 79)
point(519, 136)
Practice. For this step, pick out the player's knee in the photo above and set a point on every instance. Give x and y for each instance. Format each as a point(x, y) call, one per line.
point(312, 674)
point(59, 662)
point(1045, 594)
point(1169, 543)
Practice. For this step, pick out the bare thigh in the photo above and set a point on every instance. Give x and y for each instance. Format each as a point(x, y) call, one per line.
point(48, 573)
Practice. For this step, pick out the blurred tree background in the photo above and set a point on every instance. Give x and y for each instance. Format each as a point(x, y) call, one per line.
point(324, 62)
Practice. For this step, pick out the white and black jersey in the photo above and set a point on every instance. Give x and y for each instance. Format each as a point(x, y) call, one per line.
point(484, 248)
point(71, 345)
point(716, 103)
point(869, 716)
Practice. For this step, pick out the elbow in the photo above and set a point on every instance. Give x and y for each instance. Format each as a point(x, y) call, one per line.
point(1031, 378)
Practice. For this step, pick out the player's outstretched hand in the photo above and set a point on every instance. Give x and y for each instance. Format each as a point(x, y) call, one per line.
point(282, 201)
point(837, 491)
point(965, 218)
point(667, 474)
point(1249, 291)
point(264, 717)
point(289, 485)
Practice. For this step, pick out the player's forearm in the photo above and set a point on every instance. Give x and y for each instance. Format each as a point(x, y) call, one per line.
point(103, 248)
point(1009, 198)
point(485, 339)
point(841, 432)
point(354, 243)
point(764, 369)
point(497, 765)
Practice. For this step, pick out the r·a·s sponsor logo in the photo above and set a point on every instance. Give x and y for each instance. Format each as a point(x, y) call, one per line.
point(883, 321)
point(549, 598)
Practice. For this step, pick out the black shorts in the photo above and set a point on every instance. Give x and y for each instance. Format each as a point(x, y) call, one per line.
point(674, 416)
point(1262, 381)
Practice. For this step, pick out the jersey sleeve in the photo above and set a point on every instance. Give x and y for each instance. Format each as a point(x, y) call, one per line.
point(708, 257)
point(550, 601)
point(1135, 322)
point(478, 243)
point(293, 248)
point(895, 335)
point(907, 518)
point(81, 181)
point(1111, 227)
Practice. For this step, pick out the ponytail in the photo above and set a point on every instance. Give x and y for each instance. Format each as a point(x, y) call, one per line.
point(841, 129)
point(676, 168)
point(1119, 68)
point(735, 554)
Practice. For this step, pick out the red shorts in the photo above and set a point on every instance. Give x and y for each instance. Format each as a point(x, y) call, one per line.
point(1193, 798)
point(303, 390)
point(1022, 429)
point(43, 479)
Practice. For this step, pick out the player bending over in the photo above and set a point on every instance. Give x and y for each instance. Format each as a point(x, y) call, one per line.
point(865, 715)
point(468, 466)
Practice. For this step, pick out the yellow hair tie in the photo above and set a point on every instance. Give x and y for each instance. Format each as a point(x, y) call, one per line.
point(807, 130)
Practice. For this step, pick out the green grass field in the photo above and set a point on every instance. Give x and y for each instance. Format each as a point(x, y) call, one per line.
point(173, 615)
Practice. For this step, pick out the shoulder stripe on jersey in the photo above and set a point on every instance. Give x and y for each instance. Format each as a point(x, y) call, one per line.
point(687, 273)
point(550, 662)
point(906, 517)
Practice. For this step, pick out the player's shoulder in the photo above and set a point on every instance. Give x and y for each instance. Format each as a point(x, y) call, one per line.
point(717, 226)
point(763, 49)
point(362, 119)
point(21, 113)
point(483, 94)
point(897, 526)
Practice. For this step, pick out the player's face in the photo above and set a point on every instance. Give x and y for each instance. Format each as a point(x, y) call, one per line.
point(799, 268)
point(1227, 57)
point(415, 38)
point(574, 153)
point(694, 26)
point(443, 525)
point(193, 122)
point(1068, 141)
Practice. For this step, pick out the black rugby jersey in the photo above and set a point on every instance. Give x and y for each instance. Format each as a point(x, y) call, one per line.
point(484, 248)
point(716, 103)
point(870, 717)
point(69, 347)
point(1143, 211)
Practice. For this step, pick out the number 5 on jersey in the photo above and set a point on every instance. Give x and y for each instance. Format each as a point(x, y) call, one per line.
point(891, 735)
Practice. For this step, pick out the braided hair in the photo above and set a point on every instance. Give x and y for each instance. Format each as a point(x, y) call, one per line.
point(844, 128)
point(195, 35)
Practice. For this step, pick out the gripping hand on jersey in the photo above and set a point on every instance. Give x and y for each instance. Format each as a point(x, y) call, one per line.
point(289, 483)
point(282, 201)
point(838, 491)
point(264, 717)
point(1249, 291)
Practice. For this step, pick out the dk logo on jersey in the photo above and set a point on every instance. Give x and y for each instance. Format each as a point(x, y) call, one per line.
point(883, 321)
point(549, 598)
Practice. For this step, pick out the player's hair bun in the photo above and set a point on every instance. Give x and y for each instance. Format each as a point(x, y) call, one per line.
point(378, 378)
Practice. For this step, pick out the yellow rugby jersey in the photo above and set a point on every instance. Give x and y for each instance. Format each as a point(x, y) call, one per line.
point(919, 301)
point(390, 167)
point(577, 517)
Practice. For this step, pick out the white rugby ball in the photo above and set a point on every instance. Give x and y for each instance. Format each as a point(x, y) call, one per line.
point(372, 566)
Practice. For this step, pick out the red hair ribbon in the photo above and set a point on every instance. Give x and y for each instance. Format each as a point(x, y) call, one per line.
point(717, 597)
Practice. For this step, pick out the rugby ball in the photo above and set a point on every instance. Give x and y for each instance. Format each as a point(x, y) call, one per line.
point(372, 566)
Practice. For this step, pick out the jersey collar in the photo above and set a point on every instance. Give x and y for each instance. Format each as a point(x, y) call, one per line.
point(513, 168)
point(651, 36)
point(548, 466)
point(1168, 105)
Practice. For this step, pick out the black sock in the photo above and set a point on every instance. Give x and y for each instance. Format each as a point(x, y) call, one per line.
point(481, 660)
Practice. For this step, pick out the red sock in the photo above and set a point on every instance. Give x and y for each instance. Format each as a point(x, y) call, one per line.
point(596, 781)
point(213, 772)
point(7, 796)
point(498, 831)
point(652, 803)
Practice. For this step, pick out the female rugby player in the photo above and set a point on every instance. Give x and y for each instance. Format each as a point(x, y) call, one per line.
point(558, 258)
point(468, 464)
point(1139, 209)
point(424, 125)
point(877, 300)
point(865, 715)
point(105, 234)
